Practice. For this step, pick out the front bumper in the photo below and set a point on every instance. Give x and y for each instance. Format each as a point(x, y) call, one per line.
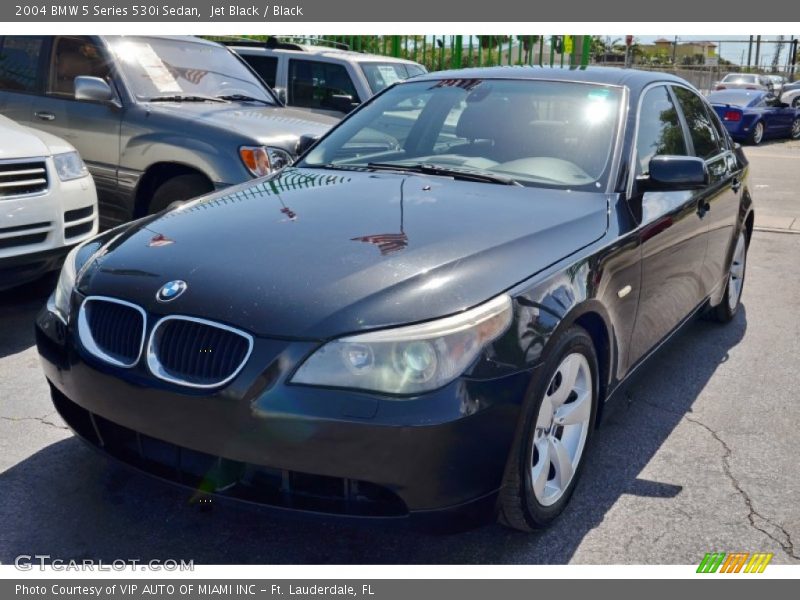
point(37, 230)
point(287, 446)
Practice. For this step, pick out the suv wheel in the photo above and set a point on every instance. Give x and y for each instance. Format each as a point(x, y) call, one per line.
point(179, 189)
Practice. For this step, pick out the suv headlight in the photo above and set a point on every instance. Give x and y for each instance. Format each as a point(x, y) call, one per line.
point(408, 360)
point(69, 166)
point(262, 160)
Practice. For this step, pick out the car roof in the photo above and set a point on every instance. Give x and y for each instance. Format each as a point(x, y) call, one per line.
point(178, 38)
point(631, 78)
point(324, 51)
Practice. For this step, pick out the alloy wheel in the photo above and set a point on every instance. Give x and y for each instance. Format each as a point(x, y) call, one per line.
point(795, 134)
point(758, 133)
point(561, 429)
point(736, 275)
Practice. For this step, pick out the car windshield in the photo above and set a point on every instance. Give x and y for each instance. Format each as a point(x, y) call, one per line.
point(535, 133)
point(736, 78)
point(164, 68)
point(382, 75)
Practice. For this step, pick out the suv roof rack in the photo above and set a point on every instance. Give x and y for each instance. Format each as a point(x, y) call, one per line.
point(274, 42)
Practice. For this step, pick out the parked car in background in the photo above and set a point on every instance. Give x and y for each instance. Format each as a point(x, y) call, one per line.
point(747, 81)
point(791, 95)
point(322, 78)
point(790, 87)
point(753, 116)
point(157, 119)
point(438, 328)
point(48, 202)
point(778, 81)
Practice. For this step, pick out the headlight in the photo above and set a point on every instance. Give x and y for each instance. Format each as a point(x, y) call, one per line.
point(261, 160)
point(59, 302)
point(408, 360)
point(69, 166)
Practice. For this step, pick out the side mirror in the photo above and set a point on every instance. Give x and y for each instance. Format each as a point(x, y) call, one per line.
point(304, 143)
point(341, 102)
point(93, 89)
point(673, 173)
point(281, 94)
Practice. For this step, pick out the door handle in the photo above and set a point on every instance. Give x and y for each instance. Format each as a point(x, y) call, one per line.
point(45, 116)
point(702, 208)
point(736, 184)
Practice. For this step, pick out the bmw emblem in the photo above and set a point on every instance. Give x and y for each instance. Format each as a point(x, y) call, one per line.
point(171, 290)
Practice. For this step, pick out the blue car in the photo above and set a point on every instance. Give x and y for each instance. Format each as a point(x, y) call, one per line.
point(753, 115)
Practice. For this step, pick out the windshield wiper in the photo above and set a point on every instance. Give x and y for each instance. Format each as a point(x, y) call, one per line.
point(185, 98)
point(432, 169)
point(244, 98)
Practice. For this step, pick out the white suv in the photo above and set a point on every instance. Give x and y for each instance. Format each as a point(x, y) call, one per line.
point(320, 78)
point(48, 202)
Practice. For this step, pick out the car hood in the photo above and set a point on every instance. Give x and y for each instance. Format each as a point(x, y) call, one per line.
point(24, 143)
point(269, 125)
point(313, 254)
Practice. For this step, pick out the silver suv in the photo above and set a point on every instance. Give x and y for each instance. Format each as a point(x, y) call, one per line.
point(156, 119)
point(320, 78)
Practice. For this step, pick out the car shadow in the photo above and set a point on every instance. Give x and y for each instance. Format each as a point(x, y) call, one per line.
point(18, 308)
point(69, 503)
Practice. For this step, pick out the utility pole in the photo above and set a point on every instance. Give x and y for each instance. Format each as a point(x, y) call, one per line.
point(674, 49)
point(758, 51)
point(749, 53)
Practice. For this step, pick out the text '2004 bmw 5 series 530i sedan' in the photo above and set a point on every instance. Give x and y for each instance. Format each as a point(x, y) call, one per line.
point(422, 327)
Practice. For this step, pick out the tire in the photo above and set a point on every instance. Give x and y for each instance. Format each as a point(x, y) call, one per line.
point(726, 310)
point(178, 189)
point(757, 134)
point(794, 132)
point(796, 102)
point(531, 499)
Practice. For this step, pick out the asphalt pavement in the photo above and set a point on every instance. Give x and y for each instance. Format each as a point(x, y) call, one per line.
point(697, 454)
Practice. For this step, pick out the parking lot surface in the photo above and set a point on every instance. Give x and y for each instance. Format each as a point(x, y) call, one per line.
point(698, 454)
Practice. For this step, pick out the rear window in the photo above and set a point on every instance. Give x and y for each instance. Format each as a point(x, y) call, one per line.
point(19, 63)
point(382, 75)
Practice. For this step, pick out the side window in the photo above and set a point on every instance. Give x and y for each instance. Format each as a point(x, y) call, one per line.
point(312, 84)
point(265, 66)
point(19, 63)
point(660, 131)
point(73, 57)
point(704, 137)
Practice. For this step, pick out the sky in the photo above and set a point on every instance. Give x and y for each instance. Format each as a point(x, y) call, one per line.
point(732, 48)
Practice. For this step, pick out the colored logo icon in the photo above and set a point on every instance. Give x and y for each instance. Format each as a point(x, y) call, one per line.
point(171, 290)
point(736, 562)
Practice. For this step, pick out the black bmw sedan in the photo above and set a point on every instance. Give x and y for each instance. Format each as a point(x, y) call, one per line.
point(426, 313)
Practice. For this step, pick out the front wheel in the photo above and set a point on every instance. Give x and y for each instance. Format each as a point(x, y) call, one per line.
point(178, 189)
point(557, 423)
point(727, 308)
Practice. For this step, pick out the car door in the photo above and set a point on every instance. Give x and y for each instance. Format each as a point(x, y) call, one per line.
point(673, 228)
point(22, 66)
point(779, 117)
point(92, 127)
point(721, 199)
